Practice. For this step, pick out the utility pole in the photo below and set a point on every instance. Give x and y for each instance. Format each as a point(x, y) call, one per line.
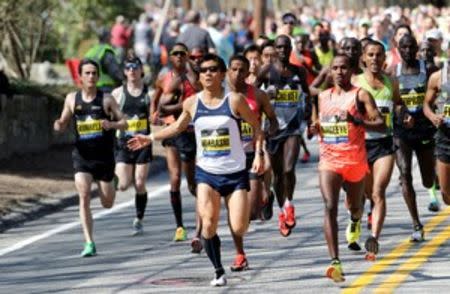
point(259, 16)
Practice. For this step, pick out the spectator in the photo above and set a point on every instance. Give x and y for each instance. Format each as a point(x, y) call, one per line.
point(120, 36)
point(110, 72)
point(195, 36)
point(143, 38)
point(223, 46)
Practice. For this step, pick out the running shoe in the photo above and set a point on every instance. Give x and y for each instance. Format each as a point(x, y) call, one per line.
point(433, 206)
point(290, 216)
point(305, 157)
point(180, 234)
point(219, 282)
point(369, 221)
point(267, 209)
point(284, 230)
point(418, 234)
point(196, 245)
point(352, 233)
point(138, 227)
point(89, 250)
point(240, 263)
point(334, 271)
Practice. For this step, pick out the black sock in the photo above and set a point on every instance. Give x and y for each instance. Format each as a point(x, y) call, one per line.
point(212, 248)
point(140, 200)
point(175, 200)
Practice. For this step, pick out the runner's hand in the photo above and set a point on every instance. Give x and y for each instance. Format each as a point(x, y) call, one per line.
point(437, 120)
point(314, 128)
point(258, 164)
point(408, 121)
point(57, 125)
point(139, 141)
point(107, 125)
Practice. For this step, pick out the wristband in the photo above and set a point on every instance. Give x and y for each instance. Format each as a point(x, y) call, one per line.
point(260, 153)
point(152, 137)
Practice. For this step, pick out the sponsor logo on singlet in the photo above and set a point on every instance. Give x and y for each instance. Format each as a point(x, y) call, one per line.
point(89, 128)
point(413, 100)
point(136, 126)
point(216, 142)
point(287, 98)
point(246, 131)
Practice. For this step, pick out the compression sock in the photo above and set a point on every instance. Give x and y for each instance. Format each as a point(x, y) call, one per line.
point(175, 200)
point(140, 201)
point(212, 248)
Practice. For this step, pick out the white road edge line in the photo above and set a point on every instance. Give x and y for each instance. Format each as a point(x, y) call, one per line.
point(71, 225)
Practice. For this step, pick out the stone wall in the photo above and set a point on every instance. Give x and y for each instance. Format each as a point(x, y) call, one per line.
point(26, 125)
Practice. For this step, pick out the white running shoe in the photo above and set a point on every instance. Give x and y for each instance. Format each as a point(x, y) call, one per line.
point(219, 282)
point(417, 235)
point(138, 227)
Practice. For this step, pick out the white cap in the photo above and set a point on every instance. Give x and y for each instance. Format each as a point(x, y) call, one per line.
point(433, 34)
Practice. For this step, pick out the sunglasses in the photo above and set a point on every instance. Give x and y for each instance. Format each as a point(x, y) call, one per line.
point(130, 66)
point(212, 69)
point(178, 53)
point(196, 57)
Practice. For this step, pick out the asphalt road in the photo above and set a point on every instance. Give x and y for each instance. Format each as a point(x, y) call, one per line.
point(42, 256)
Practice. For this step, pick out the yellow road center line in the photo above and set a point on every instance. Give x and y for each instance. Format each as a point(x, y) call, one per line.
point(413, 263)
point(369, 276)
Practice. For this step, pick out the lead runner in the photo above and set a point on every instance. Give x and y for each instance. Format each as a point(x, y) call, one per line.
point(220, 167)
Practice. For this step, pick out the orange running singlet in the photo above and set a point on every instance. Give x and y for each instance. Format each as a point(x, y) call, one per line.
point(342, 144)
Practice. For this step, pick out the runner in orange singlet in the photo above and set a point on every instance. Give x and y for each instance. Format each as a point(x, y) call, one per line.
point(344, 113)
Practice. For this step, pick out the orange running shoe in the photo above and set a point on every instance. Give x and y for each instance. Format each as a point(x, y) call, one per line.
point(290, 216)
point(284, 230)
point(240, 263)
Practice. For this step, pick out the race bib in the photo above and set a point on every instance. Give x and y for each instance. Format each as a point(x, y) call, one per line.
point(89, 129)
point(216, 143)
point(246, 132)
point(387, 116)
point(413, 101)
point(446, 114)
point(334, 132)
point(136, 126)
point(287, 98)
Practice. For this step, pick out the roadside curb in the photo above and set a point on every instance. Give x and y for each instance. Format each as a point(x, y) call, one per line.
point(31, 210)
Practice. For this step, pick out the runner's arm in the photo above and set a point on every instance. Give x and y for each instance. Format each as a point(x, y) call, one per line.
point(167, 105)
point(267, 109)
point(399, 106)
point(314, 88)
point(430, 97)
point(60, 125)
point(155, 101)
point(240, 107)
point(112, 108)
point(374, 120)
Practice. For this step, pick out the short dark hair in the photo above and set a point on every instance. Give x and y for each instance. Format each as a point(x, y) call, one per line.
point(216, 58)
point(85, 61)
point(372, 42)
point(252, 48)
point(266, 44)
point(181, 45)
point(241, 58)
point(339, 55)
point(408, 37)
